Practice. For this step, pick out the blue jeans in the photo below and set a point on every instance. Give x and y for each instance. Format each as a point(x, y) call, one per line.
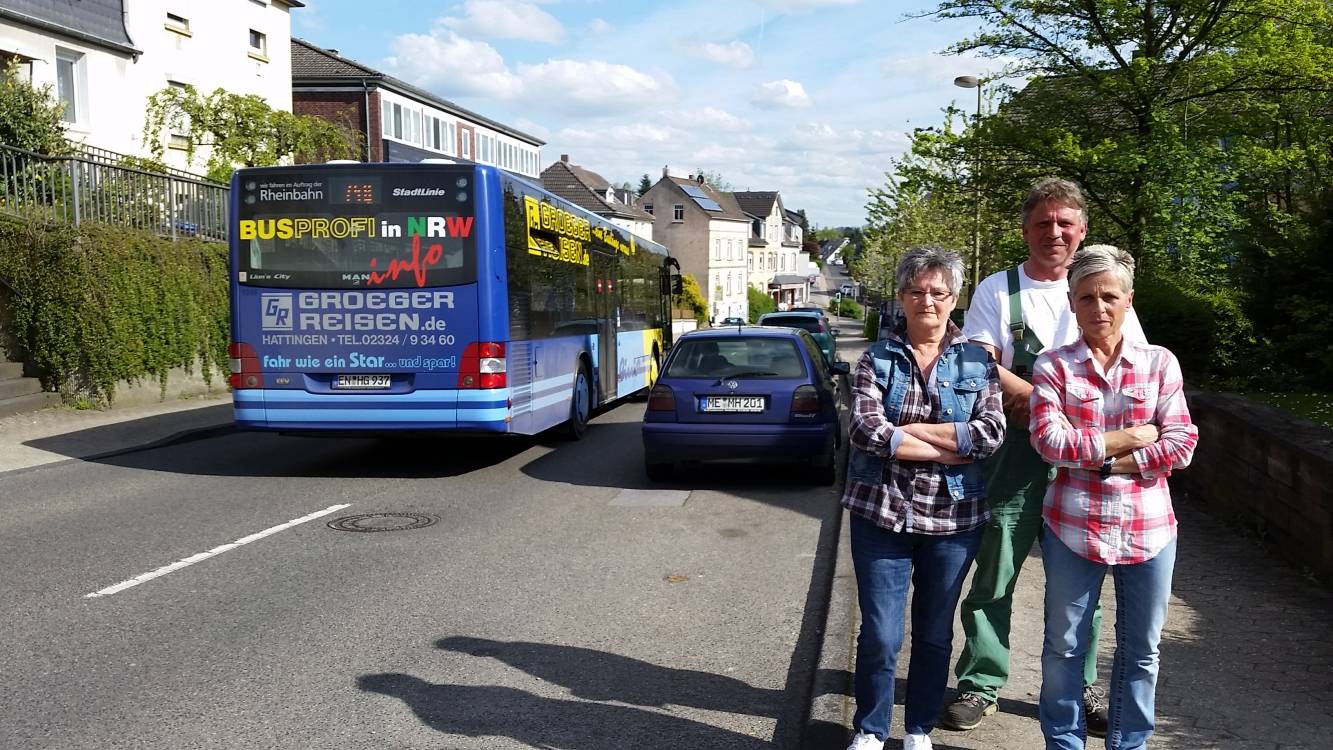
point(1073, 586)
point(885, 561)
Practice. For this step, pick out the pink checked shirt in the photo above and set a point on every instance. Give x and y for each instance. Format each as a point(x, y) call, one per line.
point(1124, 518)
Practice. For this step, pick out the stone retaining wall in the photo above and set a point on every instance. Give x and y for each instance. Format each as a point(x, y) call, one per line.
point(1267, 469)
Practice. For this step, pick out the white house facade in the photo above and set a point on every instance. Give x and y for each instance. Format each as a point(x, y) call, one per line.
point(104, 58)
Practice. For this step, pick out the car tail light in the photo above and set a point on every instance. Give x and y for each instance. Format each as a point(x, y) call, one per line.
point(244, 365)
point(483, 366)
point(805, 401)
point(661, 398)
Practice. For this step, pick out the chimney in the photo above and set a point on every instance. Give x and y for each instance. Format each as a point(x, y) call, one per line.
point(564, 158)
point(666, 170)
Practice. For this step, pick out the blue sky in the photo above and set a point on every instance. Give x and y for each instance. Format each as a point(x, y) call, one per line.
point(807, 97)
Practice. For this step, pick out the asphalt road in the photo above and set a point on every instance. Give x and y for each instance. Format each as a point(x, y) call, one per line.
point(547, 607)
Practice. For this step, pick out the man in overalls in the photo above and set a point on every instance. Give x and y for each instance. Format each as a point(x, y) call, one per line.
point(1016, 314)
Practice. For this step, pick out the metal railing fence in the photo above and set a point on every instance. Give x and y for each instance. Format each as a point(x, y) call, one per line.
point(78, 189)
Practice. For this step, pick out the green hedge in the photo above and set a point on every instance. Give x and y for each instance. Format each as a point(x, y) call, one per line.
point(1207, 331)
point(95, 305)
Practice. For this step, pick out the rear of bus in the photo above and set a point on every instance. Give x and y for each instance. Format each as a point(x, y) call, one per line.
point(355, 300)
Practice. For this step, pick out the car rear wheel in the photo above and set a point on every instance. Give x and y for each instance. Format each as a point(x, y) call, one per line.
point(824, 469)
point(659, 472)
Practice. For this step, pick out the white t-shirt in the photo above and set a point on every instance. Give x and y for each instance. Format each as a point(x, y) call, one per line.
point(1045, 311)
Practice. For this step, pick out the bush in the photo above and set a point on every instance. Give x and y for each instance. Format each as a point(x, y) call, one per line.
point(690, 298)
point(871, 328)
point(848, 308)
point(760, 303)
point(1207, 331)
point(95, 305)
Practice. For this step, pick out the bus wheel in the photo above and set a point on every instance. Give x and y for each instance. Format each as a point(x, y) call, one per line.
point(580, 405)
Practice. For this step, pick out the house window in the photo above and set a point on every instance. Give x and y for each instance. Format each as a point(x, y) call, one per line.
point(69, 84)
point(750, 263)
point(178, 24)
point(258, 43)
point(717, 249)
point(397, 121)
point(678, 212)
point(648, 208)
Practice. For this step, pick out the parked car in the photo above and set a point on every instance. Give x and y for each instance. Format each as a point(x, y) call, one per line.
point(755, 393)
point(733, 321)
point(813, 322)
point(847, 290)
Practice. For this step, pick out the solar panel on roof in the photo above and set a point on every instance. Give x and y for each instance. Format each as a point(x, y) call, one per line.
point(700, 197)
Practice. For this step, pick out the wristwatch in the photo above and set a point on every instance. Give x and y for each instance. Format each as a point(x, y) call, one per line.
point(1107, 465)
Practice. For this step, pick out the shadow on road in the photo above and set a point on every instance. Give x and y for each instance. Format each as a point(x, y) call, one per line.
point(547, 722)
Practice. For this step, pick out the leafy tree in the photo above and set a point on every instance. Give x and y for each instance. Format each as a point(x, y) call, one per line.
point(645, 184)
point(30, 117)
point(242, 130)
point(692, 299)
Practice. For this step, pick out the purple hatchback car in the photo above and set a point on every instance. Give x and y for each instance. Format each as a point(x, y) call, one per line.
point(758, 393)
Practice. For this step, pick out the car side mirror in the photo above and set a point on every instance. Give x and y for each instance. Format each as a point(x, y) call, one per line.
point(841, 368)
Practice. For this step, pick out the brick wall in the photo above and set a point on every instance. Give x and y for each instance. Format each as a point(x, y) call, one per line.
point(346, 108)
point(1267, 469)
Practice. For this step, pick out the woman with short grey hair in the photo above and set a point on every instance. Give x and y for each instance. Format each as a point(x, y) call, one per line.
point(1109, 413)
point(925, 411)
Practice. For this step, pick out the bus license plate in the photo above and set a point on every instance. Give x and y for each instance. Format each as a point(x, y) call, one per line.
point(361, 382)
point(732, 403)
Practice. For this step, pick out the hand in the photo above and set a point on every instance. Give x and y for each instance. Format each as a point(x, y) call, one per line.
point(1144, 434)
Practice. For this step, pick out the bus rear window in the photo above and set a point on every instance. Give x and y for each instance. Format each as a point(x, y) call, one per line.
point(343, 231)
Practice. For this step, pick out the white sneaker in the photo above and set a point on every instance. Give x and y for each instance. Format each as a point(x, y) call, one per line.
point(917, 742)
point(863, 741)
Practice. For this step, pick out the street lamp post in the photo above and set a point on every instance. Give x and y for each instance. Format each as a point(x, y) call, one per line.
point(972, 82)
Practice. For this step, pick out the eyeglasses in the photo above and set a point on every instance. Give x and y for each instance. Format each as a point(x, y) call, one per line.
point(917, 295)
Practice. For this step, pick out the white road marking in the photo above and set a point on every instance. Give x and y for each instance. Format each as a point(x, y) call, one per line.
point(192, 559)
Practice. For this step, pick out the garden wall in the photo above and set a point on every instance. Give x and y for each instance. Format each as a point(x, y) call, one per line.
point(1267, 469)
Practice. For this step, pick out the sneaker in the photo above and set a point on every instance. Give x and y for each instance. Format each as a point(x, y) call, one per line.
point(917, 742)
point(863, 741)
point(966, 712)
point(1094, 711)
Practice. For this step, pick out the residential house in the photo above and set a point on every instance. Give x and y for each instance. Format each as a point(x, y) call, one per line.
point(587, 189)
point(401, 122)
point(772, 262)
point(707, 232)
point(104, 58)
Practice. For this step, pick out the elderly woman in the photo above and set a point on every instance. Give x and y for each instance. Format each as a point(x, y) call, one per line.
point(1109, 413)
point(926, 407)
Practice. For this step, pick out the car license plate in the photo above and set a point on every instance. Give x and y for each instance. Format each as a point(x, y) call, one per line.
point(361, 382)
point(732, 403)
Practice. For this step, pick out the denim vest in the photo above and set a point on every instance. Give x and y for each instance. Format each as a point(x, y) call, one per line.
point(960, 377)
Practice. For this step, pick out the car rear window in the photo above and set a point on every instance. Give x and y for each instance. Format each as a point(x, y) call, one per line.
point(804, 322)
point(752, 357)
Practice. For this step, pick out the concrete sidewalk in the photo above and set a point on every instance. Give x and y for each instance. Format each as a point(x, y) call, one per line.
point(1246, 655)
point(60, 433)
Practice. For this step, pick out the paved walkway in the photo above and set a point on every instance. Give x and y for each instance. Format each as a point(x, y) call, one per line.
point(1247, 653)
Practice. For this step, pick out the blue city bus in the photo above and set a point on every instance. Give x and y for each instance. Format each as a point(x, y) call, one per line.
point(370, 298)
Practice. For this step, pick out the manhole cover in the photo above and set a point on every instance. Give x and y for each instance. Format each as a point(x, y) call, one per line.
point(383, 522)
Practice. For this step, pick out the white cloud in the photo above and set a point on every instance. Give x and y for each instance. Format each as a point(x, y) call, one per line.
point(802, 6)
point(600, 26)
point(782, 94)
point(593, 86)
point(454, 66)
point(709, 119)
point(735, 54)
point(506, 19)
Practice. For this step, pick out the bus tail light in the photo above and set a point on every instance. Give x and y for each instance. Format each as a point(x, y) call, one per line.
point(483, 366)
point(805, 402)
point(244, 365)
point(661, 398)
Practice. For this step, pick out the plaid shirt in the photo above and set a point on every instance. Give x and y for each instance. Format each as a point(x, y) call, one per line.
point(1124, 518)
point(913, 496)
